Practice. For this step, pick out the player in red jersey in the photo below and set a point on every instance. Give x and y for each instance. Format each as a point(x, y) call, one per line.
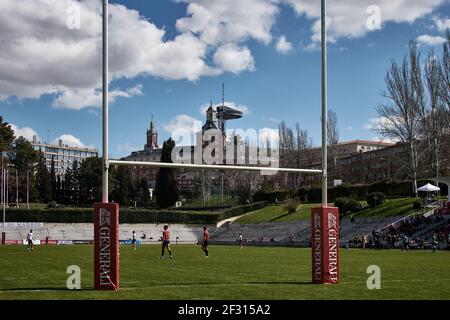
point(166, 242)
point(205, 241)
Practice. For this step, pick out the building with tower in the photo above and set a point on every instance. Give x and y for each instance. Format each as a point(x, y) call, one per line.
point(152, 137)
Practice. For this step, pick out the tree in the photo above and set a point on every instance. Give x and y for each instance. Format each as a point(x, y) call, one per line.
point(6, 137)
point(445, 72)
point(72, 184)
point(43, 181)
point(143, 193)
point(287, 148)
point(303, 143)
point(91, 180)
point(333, 141)
point(25, 158)
point(6, 140)
point(122, 186)
point(166, 190)
point(292, 151)
point(400, 114)
point(435, 119)
point(53, 179)
point(76, 182)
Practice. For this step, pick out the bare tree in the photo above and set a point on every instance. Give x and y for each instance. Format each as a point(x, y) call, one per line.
point(303, 143)
point(333, 137)
point(435, 120)
point(287, 148)
point(401, 113)
point(445, 72)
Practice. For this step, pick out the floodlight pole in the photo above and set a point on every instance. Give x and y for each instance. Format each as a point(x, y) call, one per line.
point(105, 104)
point(324, 109)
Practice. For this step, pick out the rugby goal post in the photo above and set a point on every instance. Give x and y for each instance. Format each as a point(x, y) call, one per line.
point(324, 219)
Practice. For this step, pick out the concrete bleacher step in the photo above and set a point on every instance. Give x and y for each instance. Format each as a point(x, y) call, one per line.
point(85, 231)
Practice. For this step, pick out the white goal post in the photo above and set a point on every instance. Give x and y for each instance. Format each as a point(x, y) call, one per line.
point(324, 219)
point(105, 120)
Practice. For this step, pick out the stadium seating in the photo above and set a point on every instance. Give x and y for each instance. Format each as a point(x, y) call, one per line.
point(85, 231)
point(286, 232)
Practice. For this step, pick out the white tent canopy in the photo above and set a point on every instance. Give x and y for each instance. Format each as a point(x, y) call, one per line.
point(429, 188)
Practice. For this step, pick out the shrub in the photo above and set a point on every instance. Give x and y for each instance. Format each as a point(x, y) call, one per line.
point(347, 205)
point(292, 205)
point(52, 205)
point(375, 199)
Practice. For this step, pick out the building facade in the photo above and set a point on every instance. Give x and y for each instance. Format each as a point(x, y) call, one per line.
point(62, 155)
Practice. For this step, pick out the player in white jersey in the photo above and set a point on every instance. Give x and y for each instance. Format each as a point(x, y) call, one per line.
point(30, 240)
point(133, 240)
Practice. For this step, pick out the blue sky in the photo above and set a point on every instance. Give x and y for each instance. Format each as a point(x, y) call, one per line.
point(270, 84)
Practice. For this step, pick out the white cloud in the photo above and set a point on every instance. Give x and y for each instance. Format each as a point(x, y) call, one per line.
point(283, 46)
point(276, 120)
point(223, 21)
point(183, 123)
point(374, 123)
point(126, 147)
point(70, 140)
point(244, 109)
point(348, 18)
point(40, 55)
point(25, 132)
point(430, 40)
point(233, 58)
point(442, 24)
point(84, 98)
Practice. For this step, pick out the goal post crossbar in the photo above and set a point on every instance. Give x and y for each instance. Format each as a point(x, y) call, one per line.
point(211, 166)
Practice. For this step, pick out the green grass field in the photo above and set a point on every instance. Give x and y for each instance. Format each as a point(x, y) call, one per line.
point(229, 273)
point(392, 207)
point(279, 213)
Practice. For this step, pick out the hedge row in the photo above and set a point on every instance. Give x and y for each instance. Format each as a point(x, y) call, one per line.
point(393, 189)
point(270, 196)
point(125, 216)
point(85, 215)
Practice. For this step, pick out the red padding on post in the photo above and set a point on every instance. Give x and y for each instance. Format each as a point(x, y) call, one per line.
point(106, 246)
point(325, 245)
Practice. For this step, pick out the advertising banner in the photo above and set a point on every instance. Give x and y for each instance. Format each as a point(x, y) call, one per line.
point(325, 245)
point(35, 242)
point(19, 242)
point(49, 242)
point(106, 246)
